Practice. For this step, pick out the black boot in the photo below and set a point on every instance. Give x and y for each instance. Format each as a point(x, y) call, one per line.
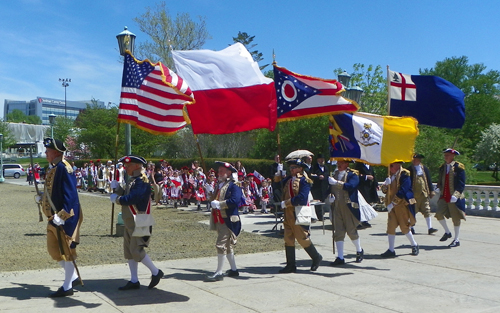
point(315, 256)
point(290, 261)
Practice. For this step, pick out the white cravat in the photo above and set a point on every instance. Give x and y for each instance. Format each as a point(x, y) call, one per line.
point(419, 170)
point(341, 175)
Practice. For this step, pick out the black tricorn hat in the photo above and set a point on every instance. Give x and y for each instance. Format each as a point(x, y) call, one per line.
point(54, 144)
point(418, 156)
point(226, 165)
point(133, 159)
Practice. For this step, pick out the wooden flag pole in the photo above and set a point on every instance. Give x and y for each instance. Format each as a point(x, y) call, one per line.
point(116, 171)
point(388, 92)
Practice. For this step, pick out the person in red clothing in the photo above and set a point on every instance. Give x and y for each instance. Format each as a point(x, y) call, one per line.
point(225, 220)
point(451, 183)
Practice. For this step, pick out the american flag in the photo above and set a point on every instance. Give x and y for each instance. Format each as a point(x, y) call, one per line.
point(152, 97)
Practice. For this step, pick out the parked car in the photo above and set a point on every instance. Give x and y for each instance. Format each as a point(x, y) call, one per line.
point(13, 170)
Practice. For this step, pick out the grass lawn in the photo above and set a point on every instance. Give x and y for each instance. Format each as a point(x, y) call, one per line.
point(485, 178)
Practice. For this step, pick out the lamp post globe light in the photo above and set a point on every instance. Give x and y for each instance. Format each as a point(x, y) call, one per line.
point(65, 83)
point(2, 179)
point(126, 41)
point(52, 120)
point(353, 93)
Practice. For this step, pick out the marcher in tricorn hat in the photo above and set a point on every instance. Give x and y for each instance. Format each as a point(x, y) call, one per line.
point(61, 205)
point(346, 211)
point(225, 220)
point(423, 190)
point(134, 199)
point(400, 207)
point(451, 183)
point(296, 191)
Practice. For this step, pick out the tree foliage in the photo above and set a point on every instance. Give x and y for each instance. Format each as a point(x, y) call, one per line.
point(488, 148)
point(374, 84)
point(63, 127)
point(17, 116)
point(247, 40)
point(8, 138)
point(166, 32)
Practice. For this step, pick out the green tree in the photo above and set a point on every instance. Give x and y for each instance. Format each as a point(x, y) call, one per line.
point(8, 137)
point(63, 127)
point(17, 116)
point(165, 32)
point(247, 40)
point(488, 148)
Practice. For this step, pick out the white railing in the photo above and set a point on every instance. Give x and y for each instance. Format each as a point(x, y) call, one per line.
point(479, 200)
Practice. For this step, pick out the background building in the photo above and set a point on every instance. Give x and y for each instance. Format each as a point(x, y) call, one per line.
point(43, 107)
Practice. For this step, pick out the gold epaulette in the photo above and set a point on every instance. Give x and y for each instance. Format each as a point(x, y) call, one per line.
point(68, 166)
point(354, 171)
point(144, 178)
point(404, 170)
point(461, 166)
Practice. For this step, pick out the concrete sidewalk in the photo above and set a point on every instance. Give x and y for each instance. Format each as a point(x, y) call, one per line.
point(440, 279)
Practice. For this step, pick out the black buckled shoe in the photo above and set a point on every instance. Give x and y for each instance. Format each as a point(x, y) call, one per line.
point(130, 286)
point(445, 237)
point(360, 256)
point(288, 269)
point(388, 254)
point(231, 273)
point(61, 293)
point(214, 277)
point(155, 279)
point(414, 250)
point(432, 231)
point(337, 262)
point(366, 224)
point(454, 243)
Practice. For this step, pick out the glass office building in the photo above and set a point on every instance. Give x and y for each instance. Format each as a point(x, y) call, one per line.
point(43, 107)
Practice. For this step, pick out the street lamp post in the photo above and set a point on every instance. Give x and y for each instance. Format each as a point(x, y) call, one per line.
point(353, 93)
point(126, 41)
point(65, 83)
point(2, 179)
point(52, 119)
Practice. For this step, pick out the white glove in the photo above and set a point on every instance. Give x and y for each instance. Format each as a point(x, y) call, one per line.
point(331, 198)
point(215, 204)
point(389, 207)
point(436, 189)
point(112, 197)
point(114, 184)
point(38, 198)
point(332, 181)
point(283, 205)
point(280, 167)
point(387, 181)
point(57, 220)
point(453, 199)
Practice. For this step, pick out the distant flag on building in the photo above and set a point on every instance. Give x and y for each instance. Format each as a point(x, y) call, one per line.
point(432, 100)
point(152, 97)
point(301, 96)
point(232, 95)
point(373, 139)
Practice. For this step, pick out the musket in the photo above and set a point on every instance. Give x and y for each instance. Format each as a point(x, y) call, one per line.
point(61, 237)
point(38, 193)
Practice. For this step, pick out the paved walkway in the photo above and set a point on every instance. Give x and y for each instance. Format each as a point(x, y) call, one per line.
point(440, 279)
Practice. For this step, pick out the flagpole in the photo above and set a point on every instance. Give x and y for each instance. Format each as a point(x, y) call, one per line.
point(388, 93)
point(199, 151)
point(116, 170)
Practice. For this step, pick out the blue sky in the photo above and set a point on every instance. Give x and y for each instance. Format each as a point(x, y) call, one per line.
point(44, 40)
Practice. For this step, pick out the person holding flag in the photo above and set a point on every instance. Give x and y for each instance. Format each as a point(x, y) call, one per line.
point(346, 212)
point(225, 220)
point(400, 207)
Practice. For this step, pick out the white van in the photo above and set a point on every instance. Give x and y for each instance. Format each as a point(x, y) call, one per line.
point(13, 170)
